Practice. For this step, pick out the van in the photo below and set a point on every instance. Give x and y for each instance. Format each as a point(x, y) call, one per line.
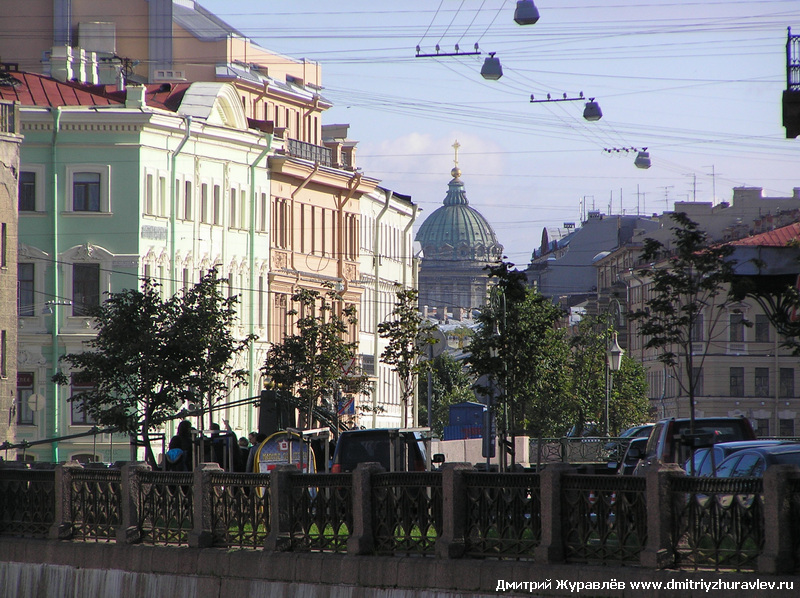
point(395, 449)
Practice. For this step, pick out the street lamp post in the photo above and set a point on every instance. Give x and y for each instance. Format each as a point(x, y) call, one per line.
point(613, 364)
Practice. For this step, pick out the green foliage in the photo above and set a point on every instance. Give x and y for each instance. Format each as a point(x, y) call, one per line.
point(522, 355)
point(408, 334)
point(688, 281)
point(451, 385)
point(310, 364)
point(628, 402)
point(150, 355)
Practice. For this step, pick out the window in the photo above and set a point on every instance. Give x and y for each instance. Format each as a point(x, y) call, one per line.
point(262, 224)
point(217, 205)
point(762, 382)
point(25, 289)
point(148, 194)
point(736, 328)
point(737, 382)
point(260, 301)
point(786, 427)
point(86, 192)
point(79, 417)
point(698, 381)
point(161, 208)
point(698, 333)
point(27, 191)
point(4, 245)
point(24, 392)
point(85, 288)
point(204, 202)
point(762, 427)
point(762, 328)
point(786, 382)
point(233, 223)
point(187, 200)
point(3, 354)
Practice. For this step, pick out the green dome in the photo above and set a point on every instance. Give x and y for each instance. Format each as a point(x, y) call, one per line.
point(456, 231)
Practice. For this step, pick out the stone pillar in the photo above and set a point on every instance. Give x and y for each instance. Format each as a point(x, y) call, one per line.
point(280, 499)
point(62, 523)
point(202, 534)
point(128, 532)
point(777, 556)
point(658, 554)
point(451, 544)
point(551, 548)
point(362, 540)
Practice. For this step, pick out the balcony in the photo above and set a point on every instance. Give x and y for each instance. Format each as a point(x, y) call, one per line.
point(309, 151)
point(9, 117)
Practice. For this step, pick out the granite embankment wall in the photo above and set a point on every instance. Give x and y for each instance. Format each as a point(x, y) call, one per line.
point(34, 568)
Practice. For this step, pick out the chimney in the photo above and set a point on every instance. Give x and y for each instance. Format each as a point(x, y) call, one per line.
point(135, 97)
point(61, 63)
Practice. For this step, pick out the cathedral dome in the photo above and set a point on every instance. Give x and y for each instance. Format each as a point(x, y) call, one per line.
point(457, 231)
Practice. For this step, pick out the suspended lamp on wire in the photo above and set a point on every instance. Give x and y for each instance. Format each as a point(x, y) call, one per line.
point(591, 111)
point(642, 159)
point(491, 69)
point(526, 13)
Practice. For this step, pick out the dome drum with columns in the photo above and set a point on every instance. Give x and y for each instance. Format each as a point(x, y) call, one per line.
point(457, 244)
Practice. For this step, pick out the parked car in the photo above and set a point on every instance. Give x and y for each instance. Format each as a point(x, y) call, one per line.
point(670, 441)
point(632, 455)
point(616, 448)
point(753, 462)
point(394, 449)
point(707, 459)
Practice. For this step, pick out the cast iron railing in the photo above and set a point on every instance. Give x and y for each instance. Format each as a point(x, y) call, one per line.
point(239, 509)
point(27, 502)
point(717, 522)
point(96, 497)
point(503, 514)
point(320, 512)
point(309, 151)
point(407, 512)
point(165, 507)
point(604, 518)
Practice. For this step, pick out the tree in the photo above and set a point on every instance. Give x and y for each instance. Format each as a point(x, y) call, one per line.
point(409, 335)
point(521, 352)
point(451, 385)
point(687, 288)
point(309, 367)
point(150, 356)
point(627, 400)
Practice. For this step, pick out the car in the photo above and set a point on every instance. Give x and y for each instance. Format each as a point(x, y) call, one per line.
point(395, 449)
point(753, 462)
point(705, 460)
point(632, 455)
point(671, 442)
point(615, 449)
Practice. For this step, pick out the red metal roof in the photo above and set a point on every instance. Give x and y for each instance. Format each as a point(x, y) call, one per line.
point(780, 237)
point(38, 90)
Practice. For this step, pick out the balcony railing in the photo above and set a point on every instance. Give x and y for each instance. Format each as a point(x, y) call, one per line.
point(309, 151)
point(9, 117)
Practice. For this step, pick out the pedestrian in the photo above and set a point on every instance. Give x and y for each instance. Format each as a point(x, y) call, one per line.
point(180, 456)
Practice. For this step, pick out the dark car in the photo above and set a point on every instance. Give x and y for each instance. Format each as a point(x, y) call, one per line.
point(616, 448)
point(707, 459)
point(752, 463)
point(632, 455)
point(671, 442)
point(394, 449)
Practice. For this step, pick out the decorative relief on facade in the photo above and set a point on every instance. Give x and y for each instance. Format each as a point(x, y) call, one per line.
point(280, 260)
point(350, 272)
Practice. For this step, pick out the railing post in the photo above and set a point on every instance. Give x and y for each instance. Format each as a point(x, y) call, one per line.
point(551, 548)
point(280, 499)
point(128, 532)
point(451, 544)
point(362, 539)
point(777, 556)
point(202, 534)
point(62, 528)
point(658, 553)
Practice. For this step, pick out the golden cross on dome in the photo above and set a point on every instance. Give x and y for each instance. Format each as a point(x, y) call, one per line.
point(455, 146)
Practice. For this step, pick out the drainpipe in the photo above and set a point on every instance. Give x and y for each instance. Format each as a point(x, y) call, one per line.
point(252, 264)
point(376, 260)
point(56, 112)
point(173, 208)
point(415, 410)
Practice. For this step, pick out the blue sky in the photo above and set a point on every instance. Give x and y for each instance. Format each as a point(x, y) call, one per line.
point(697, 83)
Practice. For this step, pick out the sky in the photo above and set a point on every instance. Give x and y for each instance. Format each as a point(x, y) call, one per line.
point(697, 83)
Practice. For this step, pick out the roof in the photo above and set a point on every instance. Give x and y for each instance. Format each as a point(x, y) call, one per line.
point(201, 23)
point(780, 237)
point(38, 90)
